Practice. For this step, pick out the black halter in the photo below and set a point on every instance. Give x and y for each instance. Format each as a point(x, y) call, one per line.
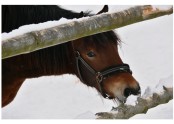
point(103, 74)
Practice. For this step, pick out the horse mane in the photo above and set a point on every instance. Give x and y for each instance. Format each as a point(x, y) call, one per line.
point(14, 16)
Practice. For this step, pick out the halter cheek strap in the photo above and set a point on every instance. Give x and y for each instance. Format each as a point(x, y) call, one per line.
point(79, 58)
point(103, 74)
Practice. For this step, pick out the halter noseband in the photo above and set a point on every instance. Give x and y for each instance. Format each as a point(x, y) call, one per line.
point(101, 75)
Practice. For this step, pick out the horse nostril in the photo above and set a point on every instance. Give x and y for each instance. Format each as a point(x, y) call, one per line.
point(136, 91)
point(139, 90)
point(127, 92)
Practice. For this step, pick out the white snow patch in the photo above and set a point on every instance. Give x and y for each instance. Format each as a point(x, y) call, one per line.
point(86, 115)
point(165, 82)
point(162, 7)
point(131, 100)
point(147, 93)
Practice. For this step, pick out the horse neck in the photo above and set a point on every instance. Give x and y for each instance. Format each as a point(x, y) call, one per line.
point(55, 60)
point(17, 16)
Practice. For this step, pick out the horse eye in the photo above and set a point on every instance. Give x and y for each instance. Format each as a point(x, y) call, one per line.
point(91, 54)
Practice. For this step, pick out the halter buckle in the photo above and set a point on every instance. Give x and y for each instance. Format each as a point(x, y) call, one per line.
point(99, 77)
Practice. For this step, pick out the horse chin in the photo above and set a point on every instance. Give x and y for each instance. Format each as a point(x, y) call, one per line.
point(121, 100)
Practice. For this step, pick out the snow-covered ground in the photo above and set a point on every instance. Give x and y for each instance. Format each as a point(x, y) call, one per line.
point(147, 48)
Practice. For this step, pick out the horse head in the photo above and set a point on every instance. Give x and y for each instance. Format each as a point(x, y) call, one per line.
point(99, 65)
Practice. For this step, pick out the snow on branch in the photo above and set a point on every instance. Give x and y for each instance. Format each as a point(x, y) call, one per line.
point(36, 40)
point(124, 111)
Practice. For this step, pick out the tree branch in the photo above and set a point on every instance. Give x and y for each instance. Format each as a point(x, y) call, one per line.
point(36, 40)
point(143, 105)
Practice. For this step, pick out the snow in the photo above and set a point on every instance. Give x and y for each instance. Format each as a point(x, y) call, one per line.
point(86, 115)
point(147, 47)
point(131, 100)
point(167, 82)
point(161, 7)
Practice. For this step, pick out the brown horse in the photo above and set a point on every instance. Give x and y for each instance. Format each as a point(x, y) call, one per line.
point(94, 59)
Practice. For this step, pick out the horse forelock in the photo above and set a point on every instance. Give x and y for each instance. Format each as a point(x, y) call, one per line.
point(101, 39)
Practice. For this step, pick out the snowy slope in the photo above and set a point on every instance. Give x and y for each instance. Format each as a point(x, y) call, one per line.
point(147, 48)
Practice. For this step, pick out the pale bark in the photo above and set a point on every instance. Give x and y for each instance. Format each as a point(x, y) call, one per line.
point(36, 40)
point(142, 106)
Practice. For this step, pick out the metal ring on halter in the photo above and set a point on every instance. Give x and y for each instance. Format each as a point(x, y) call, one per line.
point(99, 77)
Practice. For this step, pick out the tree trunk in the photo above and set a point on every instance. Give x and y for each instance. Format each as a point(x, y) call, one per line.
point(142, 106)
point(36, 40)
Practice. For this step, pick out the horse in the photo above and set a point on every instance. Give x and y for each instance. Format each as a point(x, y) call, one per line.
point(93, 59)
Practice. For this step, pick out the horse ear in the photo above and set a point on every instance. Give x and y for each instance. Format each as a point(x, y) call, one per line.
point(105, 9)
point(81, 14)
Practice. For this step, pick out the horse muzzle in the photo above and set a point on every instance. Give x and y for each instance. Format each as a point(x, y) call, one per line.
point(120, 86)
